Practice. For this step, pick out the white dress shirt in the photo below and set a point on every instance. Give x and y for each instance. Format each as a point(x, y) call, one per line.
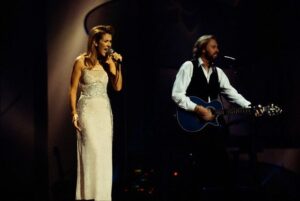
point(183, 79)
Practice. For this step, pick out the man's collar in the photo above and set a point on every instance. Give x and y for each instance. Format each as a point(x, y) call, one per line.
point(200, 61)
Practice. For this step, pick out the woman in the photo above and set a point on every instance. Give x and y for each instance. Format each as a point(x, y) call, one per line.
point(92, 116)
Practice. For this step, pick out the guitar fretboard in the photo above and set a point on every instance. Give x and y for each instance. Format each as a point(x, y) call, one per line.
point(235, 111)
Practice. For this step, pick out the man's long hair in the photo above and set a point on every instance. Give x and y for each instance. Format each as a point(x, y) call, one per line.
point(201, 44)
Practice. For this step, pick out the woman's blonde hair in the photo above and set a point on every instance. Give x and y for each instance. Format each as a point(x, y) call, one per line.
point(95, 35)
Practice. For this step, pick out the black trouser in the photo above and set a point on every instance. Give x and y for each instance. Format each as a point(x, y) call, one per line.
point(207, 169)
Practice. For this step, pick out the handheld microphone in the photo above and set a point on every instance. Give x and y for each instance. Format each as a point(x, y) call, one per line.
point(110, 52)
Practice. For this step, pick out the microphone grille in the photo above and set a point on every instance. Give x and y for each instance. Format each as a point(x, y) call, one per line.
point(110, 51)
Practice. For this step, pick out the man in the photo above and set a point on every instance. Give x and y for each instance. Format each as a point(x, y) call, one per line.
point(201, 78)
point(204, 80)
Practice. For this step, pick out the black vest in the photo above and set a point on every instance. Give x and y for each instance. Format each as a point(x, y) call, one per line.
point(199, 86)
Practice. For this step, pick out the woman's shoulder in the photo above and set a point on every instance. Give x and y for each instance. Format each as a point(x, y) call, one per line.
point(80, 60)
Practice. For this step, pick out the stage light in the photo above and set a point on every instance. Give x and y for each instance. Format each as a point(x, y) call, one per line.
point(175, 173)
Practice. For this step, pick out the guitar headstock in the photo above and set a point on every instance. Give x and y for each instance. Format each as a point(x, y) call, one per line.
point(269, 110)
point(272, 110)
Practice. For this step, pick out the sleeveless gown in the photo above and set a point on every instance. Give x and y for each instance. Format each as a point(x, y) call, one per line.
point(94, 142)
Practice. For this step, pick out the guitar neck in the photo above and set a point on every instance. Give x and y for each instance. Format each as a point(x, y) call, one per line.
point(235, 111)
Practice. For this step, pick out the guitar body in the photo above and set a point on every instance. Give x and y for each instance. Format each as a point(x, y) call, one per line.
point(190, 122)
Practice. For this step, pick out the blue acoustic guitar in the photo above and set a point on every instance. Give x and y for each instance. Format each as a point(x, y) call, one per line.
point(191, 122)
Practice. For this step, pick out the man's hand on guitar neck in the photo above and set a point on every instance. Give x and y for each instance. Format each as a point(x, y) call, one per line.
point(204, 113)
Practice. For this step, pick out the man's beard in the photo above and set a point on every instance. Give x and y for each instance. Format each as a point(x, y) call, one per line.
point(211, 57)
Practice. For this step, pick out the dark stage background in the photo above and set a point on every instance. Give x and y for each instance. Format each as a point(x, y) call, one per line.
point(155, 38)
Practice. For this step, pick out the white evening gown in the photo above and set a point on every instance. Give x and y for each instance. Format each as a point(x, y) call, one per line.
point(94, 142)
